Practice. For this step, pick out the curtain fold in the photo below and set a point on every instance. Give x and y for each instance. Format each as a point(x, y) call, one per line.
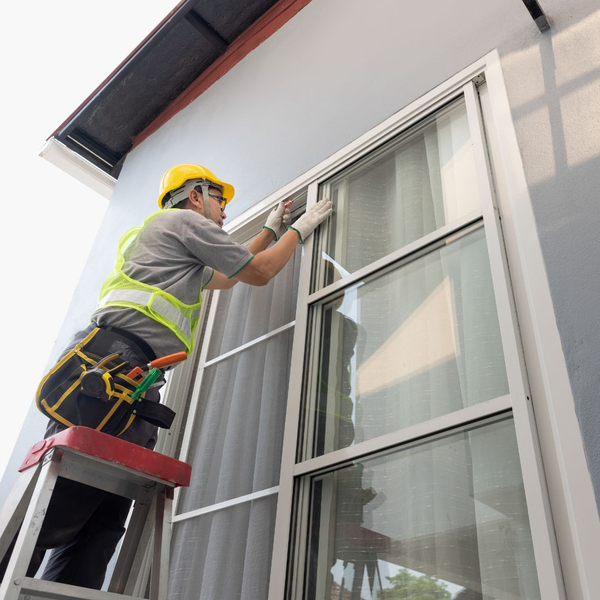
point(421, 182)
point(225, 555)
point(235, 447)
point(236, 444)
point(247, 312)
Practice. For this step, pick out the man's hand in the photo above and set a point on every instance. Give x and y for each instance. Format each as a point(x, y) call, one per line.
point(268, 263)
point(279, 219)
point(312, 218)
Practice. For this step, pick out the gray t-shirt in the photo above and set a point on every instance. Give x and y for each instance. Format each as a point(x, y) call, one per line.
point(176, 252)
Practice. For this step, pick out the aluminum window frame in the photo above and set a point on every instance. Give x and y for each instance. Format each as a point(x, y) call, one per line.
point(574, 507)
point(519, 399)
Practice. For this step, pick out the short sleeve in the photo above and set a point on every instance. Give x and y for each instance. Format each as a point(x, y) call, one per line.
point(212, 246)
point(207, 275)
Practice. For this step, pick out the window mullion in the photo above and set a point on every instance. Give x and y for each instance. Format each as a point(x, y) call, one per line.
point(290, 438)
point(442, 234)
point(545, 547)
point(226, 504)
point(459, 418)
point(258, 340)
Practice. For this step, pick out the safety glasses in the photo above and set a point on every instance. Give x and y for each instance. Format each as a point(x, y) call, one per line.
point(220, 199)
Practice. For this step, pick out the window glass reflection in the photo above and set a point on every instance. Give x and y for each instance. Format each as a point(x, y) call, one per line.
point(441, 519)
point(414, 344)
point(418, 183)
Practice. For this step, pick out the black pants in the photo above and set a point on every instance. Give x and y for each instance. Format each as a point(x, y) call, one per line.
point(83, 525)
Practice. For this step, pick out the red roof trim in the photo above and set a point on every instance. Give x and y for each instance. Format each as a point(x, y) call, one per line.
point(277, 16)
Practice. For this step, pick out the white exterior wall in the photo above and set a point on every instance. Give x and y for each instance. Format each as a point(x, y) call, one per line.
point(338, 68)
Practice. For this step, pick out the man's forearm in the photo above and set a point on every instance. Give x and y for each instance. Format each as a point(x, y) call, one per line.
point(261, 241)
point(276, 257)
point(268, 263)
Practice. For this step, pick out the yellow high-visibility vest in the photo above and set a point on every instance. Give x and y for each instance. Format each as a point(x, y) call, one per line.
point(120, 290)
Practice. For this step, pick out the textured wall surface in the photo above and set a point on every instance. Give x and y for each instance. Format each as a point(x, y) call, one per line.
point(553, 83)
point(336, 70)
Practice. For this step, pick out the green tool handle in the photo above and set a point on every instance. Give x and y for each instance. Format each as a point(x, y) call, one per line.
point(152, 376)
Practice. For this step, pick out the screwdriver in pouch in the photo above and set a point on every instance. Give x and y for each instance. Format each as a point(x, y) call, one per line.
point(152, 376)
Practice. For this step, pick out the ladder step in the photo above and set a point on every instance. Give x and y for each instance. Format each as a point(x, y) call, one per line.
point(50, 590)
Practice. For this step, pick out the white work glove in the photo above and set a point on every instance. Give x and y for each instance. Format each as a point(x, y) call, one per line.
point(312, 218)
point(278, 220)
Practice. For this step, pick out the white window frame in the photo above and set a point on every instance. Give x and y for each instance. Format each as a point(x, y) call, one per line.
point(574, 508)
point(544, 542)
point(563, 481)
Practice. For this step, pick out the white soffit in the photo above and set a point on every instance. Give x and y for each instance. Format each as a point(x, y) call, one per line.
point(71, 163)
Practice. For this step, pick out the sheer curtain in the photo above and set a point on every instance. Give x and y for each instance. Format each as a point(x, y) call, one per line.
point(224, 555)
point(235, 446)
point(422, 181)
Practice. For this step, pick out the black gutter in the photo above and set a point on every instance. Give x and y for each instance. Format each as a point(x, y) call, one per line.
point(536, 12)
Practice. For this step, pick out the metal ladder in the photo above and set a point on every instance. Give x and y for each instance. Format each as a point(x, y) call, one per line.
point(104, 462)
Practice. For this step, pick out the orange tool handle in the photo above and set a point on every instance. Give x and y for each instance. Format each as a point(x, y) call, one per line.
point(165, 361)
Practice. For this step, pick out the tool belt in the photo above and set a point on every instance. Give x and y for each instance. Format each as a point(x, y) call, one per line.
point(65, 396)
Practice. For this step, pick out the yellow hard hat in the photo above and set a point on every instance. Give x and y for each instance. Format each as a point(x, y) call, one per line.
point(175, 177)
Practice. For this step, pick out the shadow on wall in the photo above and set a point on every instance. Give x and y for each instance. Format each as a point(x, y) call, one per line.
point(554, 91)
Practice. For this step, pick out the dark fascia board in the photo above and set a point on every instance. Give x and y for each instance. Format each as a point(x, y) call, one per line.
point(273, 19)
point(178, 13)
point(79, 136)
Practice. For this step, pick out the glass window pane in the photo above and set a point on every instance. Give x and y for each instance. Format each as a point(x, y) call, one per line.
point(439, 519)
point(225, 554)
point(419, 182)
point(415, 343)
point(238, 432)
point(246, 312)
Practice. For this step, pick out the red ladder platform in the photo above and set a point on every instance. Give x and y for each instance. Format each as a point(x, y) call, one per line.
point(104, 462)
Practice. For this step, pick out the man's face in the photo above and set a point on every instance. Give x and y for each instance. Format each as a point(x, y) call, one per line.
point(217, 204)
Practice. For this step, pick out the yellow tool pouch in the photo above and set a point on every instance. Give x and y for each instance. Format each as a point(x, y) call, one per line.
point(60, 396)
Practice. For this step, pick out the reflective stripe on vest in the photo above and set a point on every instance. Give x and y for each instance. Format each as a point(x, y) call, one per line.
point(156, 303)
point(120, 290)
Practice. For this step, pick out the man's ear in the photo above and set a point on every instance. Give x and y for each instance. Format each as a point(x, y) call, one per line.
point(195, 199)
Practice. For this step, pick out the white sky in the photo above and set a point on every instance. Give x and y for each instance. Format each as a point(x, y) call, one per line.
point(54, 54)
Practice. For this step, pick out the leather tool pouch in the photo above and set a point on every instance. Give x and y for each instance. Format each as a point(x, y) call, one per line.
point(61, 399)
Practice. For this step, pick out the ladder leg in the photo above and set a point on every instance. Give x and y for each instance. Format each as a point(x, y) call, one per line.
point(15, 507)
point(134, 542)
point(166, 543)
point(32, 524)
point(159, 579)
point(139, 577)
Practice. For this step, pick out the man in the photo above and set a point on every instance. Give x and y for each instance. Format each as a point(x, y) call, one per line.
point(149, 307)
